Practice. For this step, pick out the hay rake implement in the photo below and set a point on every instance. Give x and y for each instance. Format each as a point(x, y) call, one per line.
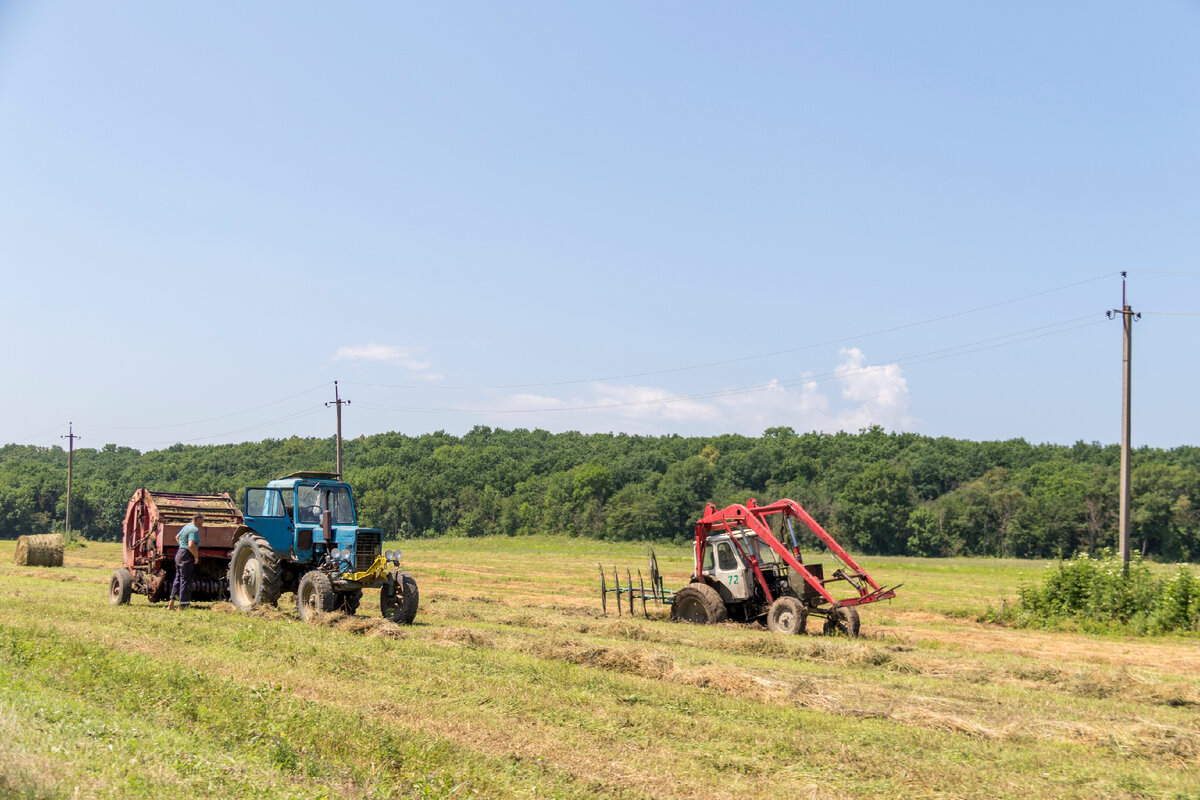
point(656, 592)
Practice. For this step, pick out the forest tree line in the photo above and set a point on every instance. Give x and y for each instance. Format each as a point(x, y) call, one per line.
point(877, 492)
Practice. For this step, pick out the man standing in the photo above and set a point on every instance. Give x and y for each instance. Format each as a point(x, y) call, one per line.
point(185, 562)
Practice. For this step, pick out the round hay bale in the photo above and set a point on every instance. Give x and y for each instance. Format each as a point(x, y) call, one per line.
point(45, 550)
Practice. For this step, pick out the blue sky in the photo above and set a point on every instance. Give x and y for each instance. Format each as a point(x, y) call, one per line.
point(686, 218)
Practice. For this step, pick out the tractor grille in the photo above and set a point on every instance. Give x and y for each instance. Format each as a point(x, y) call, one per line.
point(367, 546)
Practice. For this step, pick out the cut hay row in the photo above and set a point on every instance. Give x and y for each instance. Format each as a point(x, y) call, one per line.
point(43, 550)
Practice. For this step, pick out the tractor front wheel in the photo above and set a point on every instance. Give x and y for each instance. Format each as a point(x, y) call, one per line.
point(120, 587)
point(314, 594)
point(255, 578)
point(842, 622)
point(787, 616)
point(349, 601)
point(398, 598)
point(698, 603)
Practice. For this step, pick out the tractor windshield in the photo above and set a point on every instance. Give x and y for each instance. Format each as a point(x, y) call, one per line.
point(312, 501)
point(764, 554)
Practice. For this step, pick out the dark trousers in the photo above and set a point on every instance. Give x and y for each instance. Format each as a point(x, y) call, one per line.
point(185, 566)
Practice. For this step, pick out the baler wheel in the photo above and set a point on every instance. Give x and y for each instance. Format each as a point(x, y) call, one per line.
point(254, 575)
point(698, 603)
point(314, 594)
point(787, 616)
point(349, 601)
point(120, 587)
point(400, 607)
point(842, 622)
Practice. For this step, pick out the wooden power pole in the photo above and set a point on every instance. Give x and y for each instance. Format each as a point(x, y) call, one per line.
point(71, 437)
point(338, 401)
point(1127, 318)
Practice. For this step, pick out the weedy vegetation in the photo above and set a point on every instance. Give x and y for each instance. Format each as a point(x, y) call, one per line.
point(511, 684)
point(1096, 594)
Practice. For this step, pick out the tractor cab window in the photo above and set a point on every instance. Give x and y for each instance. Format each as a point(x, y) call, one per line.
point(708, 558)
point(725, 556)
point(264, 503)
point(764, 554)
point(313, 501)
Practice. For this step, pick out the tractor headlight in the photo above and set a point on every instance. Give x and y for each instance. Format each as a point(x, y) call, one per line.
point(392, 555)
point(396, 554)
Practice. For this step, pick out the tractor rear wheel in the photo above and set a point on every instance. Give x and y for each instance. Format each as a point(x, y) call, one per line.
point(698, 603)
point(349, 601)
point(120, 587)
point(842, 622)
point(314, 594)
point(787, 615)
point(255, 578)
point(399, 605)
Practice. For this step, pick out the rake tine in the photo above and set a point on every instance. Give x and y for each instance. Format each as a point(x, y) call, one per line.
point(603, 591)
point(642, 592)
point(629, 580)
point(617, 581)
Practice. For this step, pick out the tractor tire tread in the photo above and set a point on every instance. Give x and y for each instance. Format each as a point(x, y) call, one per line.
point(349, 601)
point(271, 579)
point(120, 587)
point(787, 615)
point(842, 622)
point(698, 603)
point(404, 611)
point(315, 586)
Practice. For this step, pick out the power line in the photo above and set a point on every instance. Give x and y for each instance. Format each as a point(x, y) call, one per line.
point(51, 429)
point(212, 419)
point(771, 354)
point(257, 426)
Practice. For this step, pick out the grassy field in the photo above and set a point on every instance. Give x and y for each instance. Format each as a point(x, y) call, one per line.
point(511, 684)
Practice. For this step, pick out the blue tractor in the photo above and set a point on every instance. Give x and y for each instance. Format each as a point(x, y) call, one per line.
point(300, 534)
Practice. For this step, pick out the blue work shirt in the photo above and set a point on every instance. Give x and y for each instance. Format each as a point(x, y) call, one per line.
point(189, 533)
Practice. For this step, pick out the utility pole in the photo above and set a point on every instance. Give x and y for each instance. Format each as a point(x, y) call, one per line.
point(70, 468)
point(338, 401)
point(1127, 318)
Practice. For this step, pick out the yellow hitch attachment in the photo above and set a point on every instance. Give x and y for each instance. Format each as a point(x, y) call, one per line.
point(375, 572)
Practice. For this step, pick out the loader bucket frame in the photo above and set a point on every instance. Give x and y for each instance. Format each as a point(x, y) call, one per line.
point(754, 517)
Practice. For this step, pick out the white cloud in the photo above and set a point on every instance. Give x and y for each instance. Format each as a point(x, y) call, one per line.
point(868, 395)
point(395, 355)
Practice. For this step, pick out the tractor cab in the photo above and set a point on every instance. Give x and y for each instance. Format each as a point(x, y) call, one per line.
point(727, 565)
point(310, 516)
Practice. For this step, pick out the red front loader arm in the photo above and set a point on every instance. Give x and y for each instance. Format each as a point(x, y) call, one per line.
point(753, 517)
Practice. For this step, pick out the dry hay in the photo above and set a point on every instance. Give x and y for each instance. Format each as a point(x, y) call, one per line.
point(44, 550)
point(1153, 740)
point(262, 612)
point(618, 659)
point(372, 627)
point(627, 629)
point(464, 636)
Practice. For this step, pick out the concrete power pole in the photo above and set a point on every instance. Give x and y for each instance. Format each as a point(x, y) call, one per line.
point(71, 437)
point(338, 401)
point(1127, 318)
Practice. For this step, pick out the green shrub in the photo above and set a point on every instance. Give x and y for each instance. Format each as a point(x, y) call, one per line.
point(1095, 593)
